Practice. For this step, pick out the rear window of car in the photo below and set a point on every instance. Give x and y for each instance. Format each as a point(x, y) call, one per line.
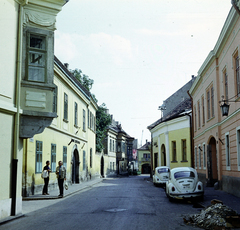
point(184, 174)
point(162, 170)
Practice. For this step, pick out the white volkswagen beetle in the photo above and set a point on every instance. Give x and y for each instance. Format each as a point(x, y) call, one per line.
point(161, 175)
point(183, 183)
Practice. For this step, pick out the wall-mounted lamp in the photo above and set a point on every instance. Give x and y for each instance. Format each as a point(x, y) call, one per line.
point(224, 105)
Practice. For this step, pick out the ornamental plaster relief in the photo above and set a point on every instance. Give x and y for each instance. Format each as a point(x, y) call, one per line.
point(39, 19)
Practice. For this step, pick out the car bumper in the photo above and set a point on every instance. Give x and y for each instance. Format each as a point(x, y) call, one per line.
point(186, 195)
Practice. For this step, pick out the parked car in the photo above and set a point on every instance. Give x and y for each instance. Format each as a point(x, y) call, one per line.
point(183, 183)
point(161, 175)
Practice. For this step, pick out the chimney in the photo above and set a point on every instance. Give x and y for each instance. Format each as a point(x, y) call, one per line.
point(66, 65)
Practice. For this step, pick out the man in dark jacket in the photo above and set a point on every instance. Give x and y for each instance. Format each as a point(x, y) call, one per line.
point(61, 175)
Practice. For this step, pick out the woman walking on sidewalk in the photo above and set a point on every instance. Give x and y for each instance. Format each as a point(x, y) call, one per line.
point(46, 179)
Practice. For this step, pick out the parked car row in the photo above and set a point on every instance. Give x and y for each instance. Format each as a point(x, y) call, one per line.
point(179, 183)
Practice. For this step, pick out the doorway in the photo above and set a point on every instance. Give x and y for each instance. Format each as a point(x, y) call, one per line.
point(102, 167)
point(75, 167)
point(163, 155)
point(212, 166)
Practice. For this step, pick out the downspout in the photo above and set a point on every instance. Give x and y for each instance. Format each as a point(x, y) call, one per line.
point(235, 6)
point(191, 131)
point(17, 115)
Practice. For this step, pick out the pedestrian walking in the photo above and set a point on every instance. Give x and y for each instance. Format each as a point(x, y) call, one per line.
point(61, 175)
point(46, 171)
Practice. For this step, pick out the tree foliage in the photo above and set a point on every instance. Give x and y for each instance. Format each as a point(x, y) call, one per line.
point(83, 78)
point(103, 120)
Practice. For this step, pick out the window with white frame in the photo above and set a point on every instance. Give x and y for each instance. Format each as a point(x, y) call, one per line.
point(227, 151)
point(53, 157)
point(65, 156)
point(204, 156)
point(65, 112)
point(84, 120)
point(76, 114)
point(39, 146)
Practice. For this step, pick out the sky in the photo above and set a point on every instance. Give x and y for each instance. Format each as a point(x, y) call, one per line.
point(138, 52)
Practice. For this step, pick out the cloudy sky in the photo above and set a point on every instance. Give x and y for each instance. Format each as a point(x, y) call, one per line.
point(138, 52)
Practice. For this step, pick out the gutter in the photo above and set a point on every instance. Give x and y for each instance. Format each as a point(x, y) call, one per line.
point(17, 115)
point(191, 131)
point(235, 6)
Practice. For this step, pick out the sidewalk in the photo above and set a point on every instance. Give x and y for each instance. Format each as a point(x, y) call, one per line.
point(227, 198)
point(37, 201)
point(53, 194)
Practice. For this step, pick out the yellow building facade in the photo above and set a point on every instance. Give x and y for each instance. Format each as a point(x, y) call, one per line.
point(70, 138)
point(27, 29)
point(172, 142)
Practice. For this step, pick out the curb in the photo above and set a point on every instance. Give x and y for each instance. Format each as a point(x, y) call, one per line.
point(56, 197)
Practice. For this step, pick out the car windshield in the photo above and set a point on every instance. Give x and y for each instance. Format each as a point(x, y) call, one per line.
point(184, 174)
point(162, 170)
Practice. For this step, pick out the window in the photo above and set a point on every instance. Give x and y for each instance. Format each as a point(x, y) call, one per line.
point(111, 167)
point(90, 157)
point(174, 151)
point(199, 157)
point(76, 114)
point(237, 73)
point(39, 145)
point(65, 107)
point(238, 147)
point(184, 150)
point(84, 160)
point(199, 115)
point(195, 157)
point(204, 156)
point(88, 118)
point(65, 156)
point(84, 121)
point(227, 150)
point(226, 84)
point(203, 111)
point(195, 118)
point(55, 100)
point(113, 145)
point(36, 57)
point(110, 145)
point(212, 100)
point(208, 105)
point(53, 157)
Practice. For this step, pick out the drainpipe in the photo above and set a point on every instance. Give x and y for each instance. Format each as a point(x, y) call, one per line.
point(191, 132)
point(235, 6)
point(17, 115)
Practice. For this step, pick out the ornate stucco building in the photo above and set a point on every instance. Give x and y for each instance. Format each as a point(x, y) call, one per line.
point(217, 137)
point(26, 89)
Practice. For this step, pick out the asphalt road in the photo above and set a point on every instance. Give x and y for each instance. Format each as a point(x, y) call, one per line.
point(120, 203)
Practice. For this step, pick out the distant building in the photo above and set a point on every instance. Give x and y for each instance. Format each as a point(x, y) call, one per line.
point(144, 158)
point(118, 150)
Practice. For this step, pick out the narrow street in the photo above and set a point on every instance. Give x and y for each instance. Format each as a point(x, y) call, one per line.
point(120, 203)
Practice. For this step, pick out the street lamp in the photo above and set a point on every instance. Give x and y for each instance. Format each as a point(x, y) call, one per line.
point(224, 107)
